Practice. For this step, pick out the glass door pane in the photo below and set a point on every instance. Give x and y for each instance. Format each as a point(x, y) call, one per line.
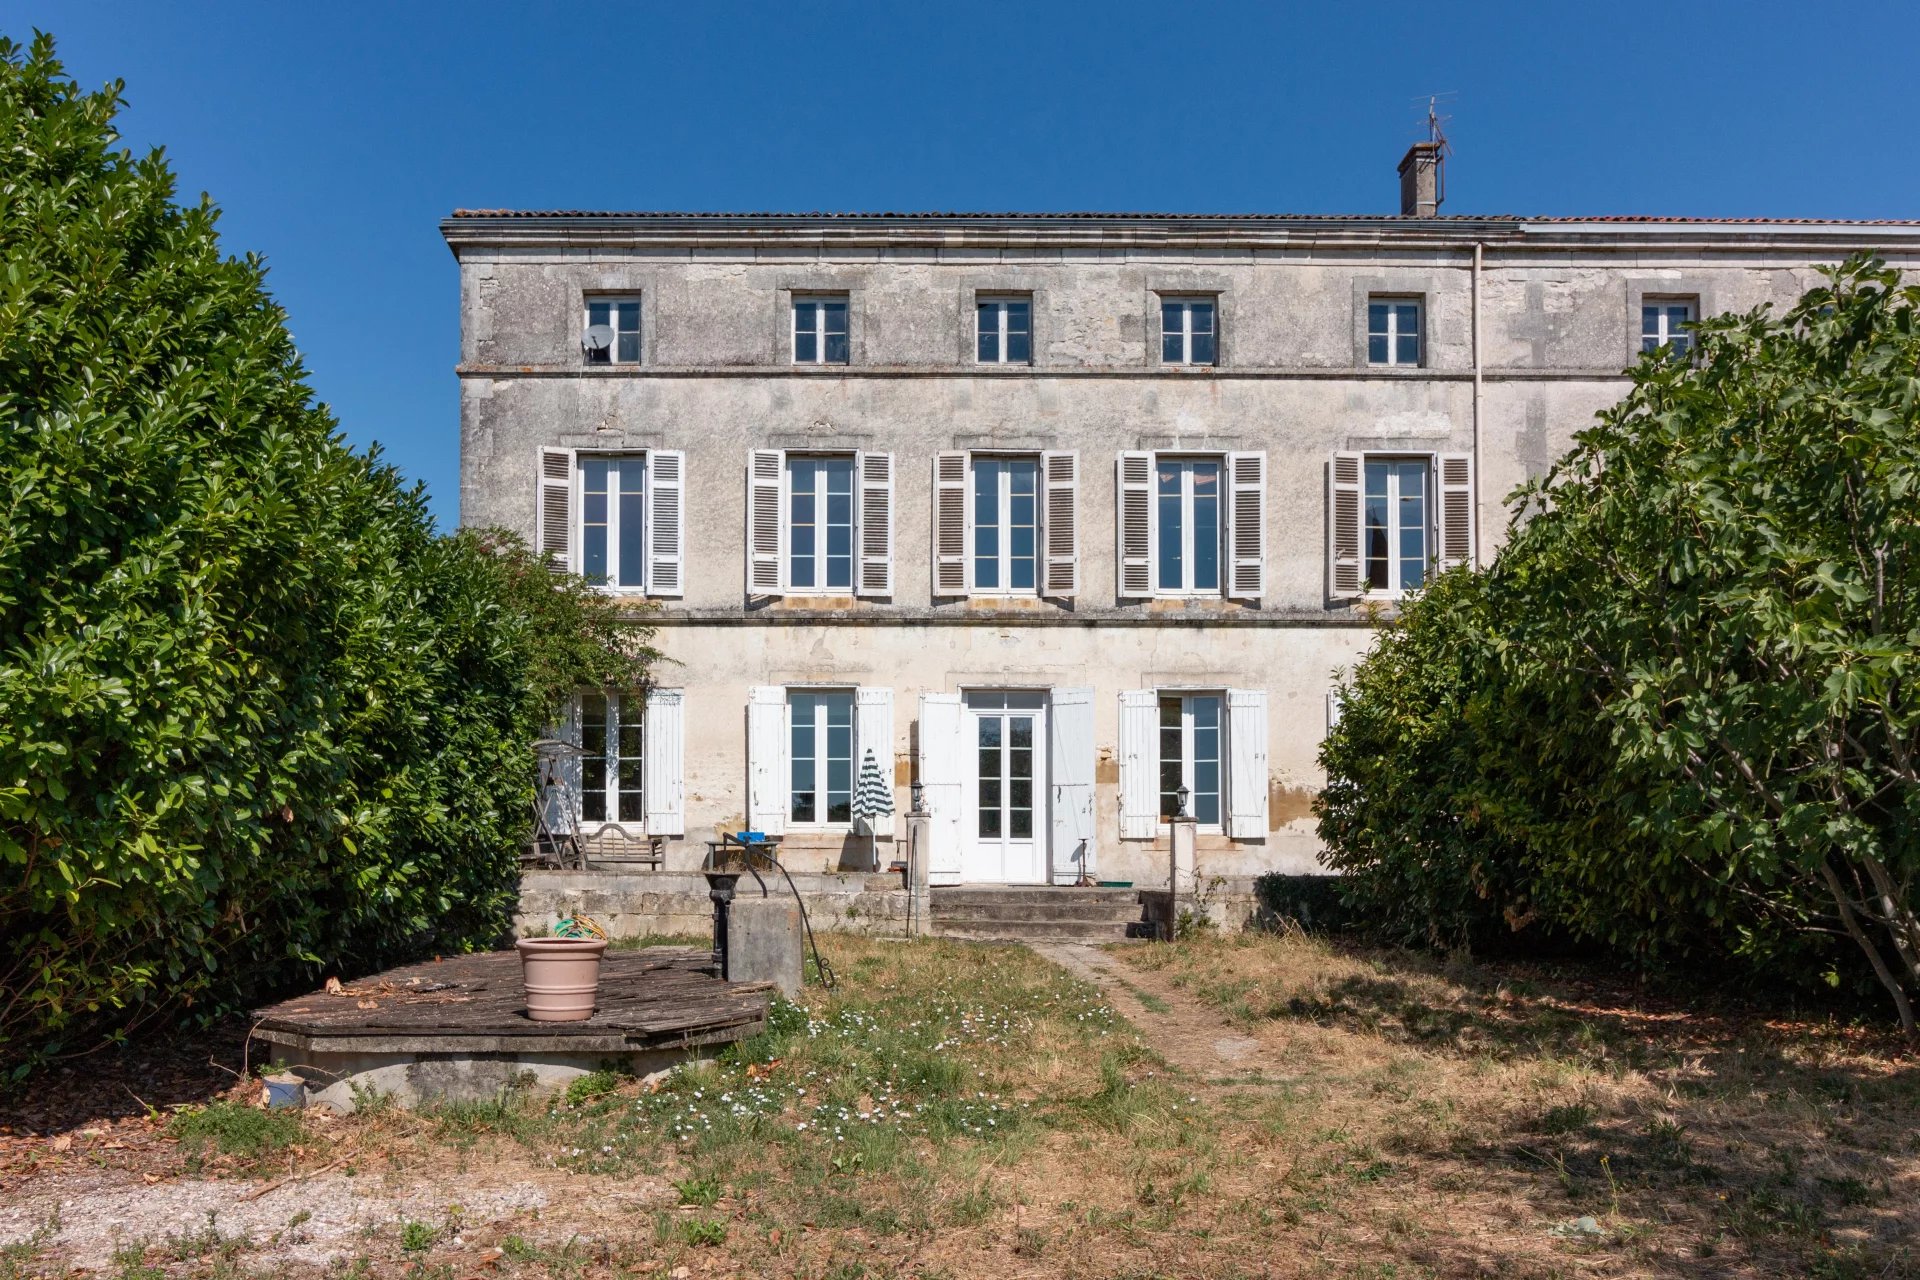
point(991, 766)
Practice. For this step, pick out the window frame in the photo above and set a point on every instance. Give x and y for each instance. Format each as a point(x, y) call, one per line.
point(1430, 534)
point(1188, 762)
point(1187, 544)
point(613, 301)
point(817, 300)
point(1393, 302)
point(852, 459)
point(579, 531)
point(1004, 510)
point(616, 720)
point(1000, 303)
point(821, 729)
point(1688, 342)
point(1186, 302)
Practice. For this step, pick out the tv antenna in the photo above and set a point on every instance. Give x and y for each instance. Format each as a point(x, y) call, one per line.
point(1437, 138)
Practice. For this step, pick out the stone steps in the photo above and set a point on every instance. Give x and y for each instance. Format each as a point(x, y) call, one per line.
point(1036, 931)
point(1020, 913)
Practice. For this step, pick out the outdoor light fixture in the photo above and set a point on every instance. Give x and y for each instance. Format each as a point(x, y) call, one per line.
point(919, 790)
point(1181, 795)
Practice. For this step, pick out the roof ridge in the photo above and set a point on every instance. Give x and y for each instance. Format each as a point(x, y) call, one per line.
point(1098, 215)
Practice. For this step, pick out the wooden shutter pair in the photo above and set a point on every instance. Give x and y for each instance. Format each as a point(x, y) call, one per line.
point(767, 523)
point(768, 773)
point(556, 530)
point(1245, 817)
point(946, 753)
point(1243, 511)
point(1059, 503)
point(663, 785)
point(1454, 527)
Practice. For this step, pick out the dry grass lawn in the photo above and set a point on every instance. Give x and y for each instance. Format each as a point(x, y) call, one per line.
point(959, 1110)
point(1463, 1119)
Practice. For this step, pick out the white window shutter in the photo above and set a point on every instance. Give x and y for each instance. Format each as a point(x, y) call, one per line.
point(1344, 524)
point(666, 522)
point(553, 513)
point(1247, 764)
point(766, 521)
point(873, 731)
point(1455, 473)
point(1247, 525)
point(1135, 558)
point(1061, 475)
point(767, 759)
point(942, 770)
point(951, 520)
point(1139, 764)
point(875, 520)
point(1071, 764)
point(665, 728)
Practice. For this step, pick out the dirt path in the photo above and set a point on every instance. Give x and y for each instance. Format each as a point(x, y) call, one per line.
point(1185, 1032)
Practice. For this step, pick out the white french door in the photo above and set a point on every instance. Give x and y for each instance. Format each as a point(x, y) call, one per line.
point(1004, 829)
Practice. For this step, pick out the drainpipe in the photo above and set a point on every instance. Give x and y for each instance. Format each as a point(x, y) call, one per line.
point(1477, 247)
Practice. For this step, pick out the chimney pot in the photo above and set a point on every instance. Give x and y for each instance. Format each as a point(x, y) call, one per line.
point(1420, 193)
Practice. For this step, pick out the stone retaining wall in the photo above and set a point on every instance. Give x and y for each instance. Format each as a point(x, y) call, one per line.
point(634, 904)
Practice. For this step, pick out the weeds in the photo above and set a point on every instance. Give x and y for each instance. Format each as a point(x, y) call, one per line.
point(248, 1134)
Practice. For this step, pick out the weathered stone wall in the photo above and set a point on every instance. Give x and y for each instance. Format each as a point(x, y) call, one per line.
point(638, 904)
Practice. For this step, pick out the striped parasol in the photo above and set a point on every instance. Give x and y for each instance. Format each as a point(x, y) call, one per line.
point(873, 797)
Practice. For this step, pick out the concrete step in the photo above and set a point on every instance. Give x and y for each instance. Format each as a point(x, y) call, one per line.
point(1030, 930)
point(999, 894)
point(1081, 912)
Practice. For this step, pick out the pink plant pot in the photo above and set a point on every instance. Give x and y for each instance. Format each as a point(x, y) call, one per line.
point(561, 975)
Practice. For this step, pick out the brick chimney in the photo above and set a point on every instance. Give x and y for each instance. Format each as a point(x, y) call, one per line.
point(1420, 193)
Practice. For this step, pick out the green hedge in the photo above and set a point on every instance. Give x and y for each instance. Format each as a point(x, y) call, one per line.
point(260, 720)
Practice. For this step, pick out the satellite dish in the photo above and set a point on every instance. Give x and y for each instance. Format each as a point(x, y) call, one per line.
point(599, 338)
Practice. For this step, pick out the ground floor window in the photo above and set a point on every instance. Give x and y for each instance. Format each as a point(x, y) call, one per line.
point(611, 741)
point(821, 755)
point(1190, 745)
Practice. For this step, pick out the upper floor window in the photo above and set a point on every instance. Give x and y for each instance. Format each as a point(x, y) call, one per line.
point(820, 756)
point(820, 330)
point(1005, 330)
point(1664, 323)
point(612, 518)
point(1186, 506)
point(1393, 331)
point(1188, 331)
point(613, 331)
point(1192, 525)
point(612, 750)
point(820, 522)
point(1006, 524)
point(1397, 518)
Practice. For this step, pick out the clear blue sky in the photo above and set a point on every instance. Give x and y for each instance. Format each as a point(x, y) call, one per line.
point(336, 135)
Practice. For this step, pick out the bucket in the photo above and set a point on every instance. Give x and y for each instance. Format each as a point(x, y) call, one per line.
point(561, 975)
point(286, 1090)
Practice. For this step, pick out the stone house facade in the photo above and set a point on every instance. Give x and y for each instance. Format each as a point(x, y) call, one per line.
point(1069, 518)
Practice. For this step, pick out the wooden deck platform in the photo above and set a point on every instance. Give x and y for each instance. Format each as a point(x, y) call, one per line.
point(656, 998)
